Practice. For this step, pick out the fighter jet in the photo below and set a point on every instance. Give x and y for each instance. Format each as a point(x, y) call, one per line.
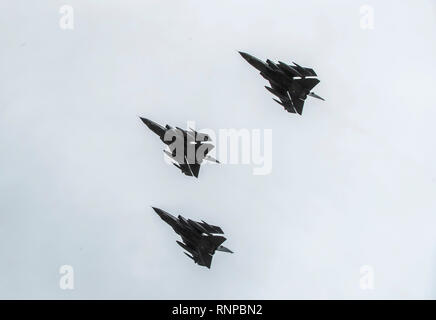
point(291, 84)
point(198, 238)
point(188, 148)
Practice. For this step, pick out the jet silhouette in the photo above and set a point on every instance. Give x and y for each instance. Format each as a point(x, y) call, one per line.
point(188, 148)
point(291, 84)
point(198, 238)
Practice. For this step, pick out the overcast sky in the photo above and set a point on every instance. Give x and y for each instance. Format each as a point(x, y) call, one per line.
point(353, 180)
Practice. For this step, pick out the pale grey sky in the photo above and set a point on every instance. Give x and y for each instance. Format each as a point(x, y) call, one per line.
point(353, 180)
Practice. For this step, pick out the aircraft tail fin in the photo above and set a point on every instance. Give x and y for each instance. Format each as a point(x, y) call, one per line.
point(224, 249)
point(212, 159)
point(314, 95)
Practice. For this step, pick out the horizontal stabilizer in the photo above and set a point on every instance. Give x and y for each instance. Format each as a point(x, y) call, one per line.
point(218, 240)
point(298, 105)
point(194, 169)
point(308, 83)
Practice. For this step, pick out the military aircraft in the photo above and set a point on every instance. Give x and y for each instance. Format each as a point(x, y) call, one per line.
point(290, 83)
point(198, 238)
point(188, 148)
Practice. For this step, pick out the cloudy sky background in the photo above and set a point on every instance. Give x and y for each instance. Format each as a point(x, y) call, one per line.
point(353, 180)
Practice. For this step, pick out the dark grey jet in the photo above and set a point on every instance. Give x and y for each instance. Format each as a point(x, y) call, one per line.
point(290, 83)
point(188, 148)
point(198, 238)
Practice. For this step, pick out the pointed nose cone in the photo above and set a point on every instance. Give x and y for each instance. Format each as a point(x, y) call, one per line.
point(147, 122)
point(153, 126)
point(167, 217)
point(258, 64)
point(244, 55)
point(158, 211)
